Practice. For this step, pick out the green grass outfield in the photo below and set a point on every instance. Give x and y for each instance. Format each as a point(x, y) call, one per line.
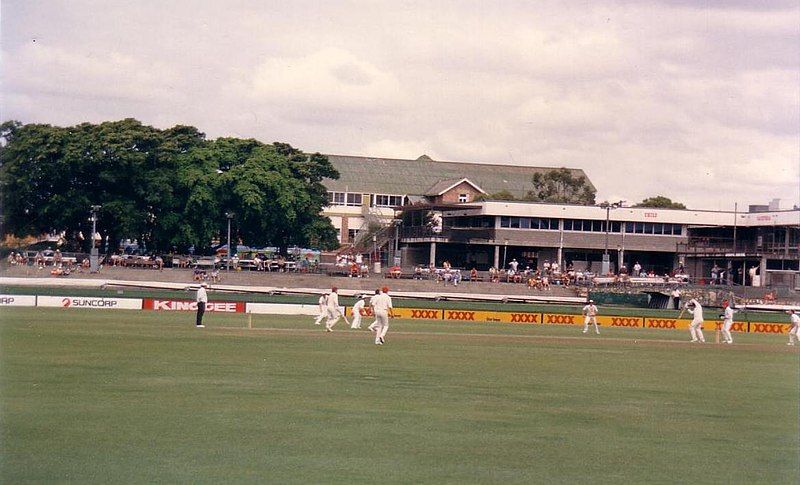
point(97, 396)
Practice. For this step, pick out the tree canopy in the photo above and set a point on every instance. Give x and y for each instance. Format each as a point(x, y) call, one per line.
point(168, 188)
point(660, 202)
point(561, 187)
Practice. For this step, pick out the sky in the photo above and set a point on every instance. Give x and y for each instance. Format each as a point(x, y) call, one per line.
point(695, 100)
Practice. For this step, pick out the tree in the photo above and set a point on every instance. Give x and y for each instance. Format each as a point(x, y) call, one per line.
point(660, 202)
point(275, 192)
point(164, 187)
point(561, 187)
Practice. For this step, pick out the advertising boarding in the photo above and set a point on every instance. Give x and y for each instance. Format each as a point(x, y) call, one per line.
point(90, 302)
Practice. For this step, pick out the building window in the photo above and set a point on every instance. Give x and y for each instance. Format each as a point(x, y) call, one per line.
point(336, 198)
point(353, 199)
point(536, 223)
point(352, 235)
point(463, 198)
point(383, 200)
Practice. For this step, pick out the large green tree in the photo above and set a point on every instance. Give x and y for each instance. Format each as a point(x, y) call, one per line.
point(560, 186)
point(169, 188)
point(660, 202)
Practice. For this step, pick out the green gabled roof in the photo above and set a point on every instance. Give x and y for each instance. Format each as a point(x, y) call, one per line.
point(417, 177)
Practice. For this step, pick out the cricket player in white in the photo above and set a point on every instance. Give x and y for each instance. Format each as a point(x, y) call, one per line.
point(794, 330)
point(590, 316)
point(323, 309)
point(357, 312)
point(727, 322)
point(382, 307)
point(373, 325)
point(334, 314)
point(696, 327)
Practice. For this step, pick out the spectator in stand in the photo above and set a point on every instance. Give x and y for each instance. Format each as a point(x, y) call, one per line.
point(11, 260)
point(715, 274)
point(215, 278)
point(473, 274)
point(396, 272)
point(637, 269)
point(57, 259)
point(418, 272)
point(513, 266)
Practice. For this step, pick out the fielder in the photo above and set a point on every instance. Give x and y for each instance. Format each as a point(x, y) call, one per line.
point(590, 316)
point(696, 327)
point(334, 314)
point(323, 309)
point(794, 330)
point(382, 307)
point(357, 308)
point(374, 324)
point(727, 322)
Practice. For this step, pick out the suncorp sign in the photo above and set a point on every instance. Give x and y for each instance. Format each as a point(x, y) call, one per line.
point(17, 300)
point(90, 302)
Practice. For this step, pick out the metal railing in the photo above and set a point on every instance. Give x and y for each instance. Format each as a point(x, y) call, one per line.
point(455, 234)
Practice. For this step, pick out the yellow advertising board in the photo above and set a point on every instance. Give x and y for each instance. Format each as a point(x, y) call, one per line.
point(669, 323)
point(612, 321)
point(406, 313)
point(765, 327)
point(561, 319)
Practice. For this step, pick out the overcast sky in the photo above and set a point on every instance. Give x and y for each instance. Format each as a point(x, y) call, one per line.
point(695, 100)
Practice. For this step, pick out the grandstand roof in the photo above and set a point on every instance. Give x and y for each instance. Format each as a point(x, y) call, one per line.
point(418, 177)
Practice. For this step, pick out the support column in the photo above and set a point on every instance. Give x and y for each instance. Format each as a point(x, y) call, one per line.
point(432, 256)
point(497, 257)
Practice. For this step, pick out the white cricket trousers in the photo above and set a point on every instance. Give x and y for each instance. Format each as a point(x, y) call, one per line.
point(323, 313)
point(726, 331)
point(794, 334)
point(356, 323)
point(382, 321)
point(587, 321)
point(333, 317)
point(696, 330)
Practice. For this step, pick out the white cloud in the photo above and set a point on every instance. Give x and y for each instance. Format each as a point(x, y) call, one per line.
point(697, 102)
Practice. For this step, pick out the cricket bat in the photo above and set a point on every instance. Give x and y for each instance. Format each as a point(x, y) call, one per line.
point(718, 332)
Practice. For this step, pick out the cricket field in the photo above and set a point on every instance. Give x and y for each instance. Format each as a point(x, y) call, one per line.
point(98, 396)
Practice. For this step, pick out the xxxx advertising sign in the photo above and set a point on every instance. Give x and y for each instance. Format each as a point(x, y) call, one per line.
point(404, 313)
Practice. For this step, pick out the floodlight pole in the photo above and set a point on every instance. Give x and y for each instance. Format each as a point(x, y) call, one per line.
point(94, 264)
point(229, 215)
point(606, 265)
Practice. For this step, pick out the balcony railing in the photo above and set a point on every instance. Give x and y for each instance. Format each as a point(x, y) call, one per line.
point(711, 245)
point(452, 234)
